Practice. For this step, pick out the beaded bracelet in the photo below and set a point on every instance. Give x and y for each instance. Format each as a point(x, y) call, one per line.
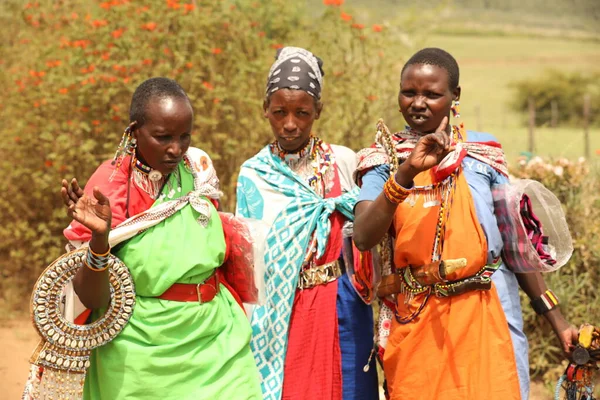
point(546, 302)
point(394, 192)
point(97, 262)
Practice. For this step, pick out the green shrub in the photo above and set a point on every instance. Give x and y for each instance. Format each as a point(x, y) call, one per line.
point(70, 67)
point(566, 90)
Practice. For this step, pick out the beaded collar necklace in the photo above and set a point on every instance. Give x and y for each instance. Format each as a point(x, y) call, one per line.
point(319, 155)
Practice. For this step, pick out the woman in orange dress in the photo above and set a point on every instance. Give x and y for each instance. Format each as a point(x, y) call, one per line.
point(450, 340)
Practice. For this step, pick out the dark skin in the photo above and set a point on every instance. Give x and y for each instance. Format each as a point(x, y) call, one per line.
point(291, 114)
point(425, 100)
point(161, 143)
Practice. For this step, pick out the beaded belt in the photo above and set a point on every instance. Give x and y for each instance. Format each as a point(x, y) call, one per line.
point(319, 275)
point(480, 281)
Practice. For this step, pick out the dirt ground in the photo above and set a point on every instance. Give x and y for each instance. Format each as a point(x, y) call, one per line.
point(19, 339)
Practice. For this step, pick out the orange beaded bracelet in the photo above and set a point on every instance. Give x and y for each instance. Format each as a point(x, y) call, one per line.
point(394, 192)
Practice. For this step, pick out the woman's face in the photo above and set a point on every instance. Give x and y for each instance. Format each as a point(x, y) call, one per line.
point(425, 96)
point(291, 114)
point(165, 136)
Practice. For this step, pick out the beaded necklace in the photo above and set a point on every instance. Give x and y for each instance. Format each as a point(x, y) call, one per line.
point(151, 181)
point(319, 156)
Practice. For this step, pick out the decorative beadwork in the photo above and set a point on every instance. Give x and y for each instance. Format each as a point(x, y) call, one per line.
point(97, 262)
point(321, 158)
point(394, 192)
point(65, 347)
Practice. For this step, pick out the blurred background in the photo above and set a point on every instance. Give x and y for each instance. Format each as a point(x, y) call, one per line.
point(529, 74)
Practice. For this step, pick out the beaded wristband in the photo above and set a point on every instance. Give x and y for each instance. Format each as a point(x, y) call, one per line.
point(97, 262)
point(546, 302)
point(394, 192)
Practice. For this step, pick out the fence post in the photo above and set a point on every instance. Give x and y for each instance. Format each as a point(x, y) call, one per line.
point(586, 125)
point(531, 125)
point(554, 111)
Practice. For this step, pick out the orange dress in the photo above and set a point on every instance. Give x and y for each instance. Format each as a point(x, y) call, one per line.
point(457, 347)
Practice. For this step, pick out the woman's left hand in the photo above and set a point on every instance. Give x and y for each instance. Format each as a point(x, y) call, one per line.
point(566, 333)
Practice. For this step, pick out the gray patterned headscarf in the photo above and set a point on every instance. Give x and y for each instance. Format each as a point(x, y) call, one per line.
point(296, 68)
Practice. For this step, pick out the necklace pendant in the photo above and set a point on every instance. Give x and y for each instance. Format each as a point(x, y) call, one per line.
point(155, 175)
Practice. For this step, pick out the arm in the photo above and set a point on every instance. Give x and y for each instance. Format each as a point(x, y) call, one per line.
point(91, 286)
point(534, 286)
point(373, 218)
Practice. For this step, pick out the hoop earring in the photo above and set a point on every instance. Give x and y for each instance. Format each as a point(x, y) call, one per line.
point(455, 108)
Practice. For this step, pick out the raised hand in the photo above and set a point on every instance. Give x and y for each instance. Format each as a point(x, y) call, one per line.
point(431, 149)
point(92, 212)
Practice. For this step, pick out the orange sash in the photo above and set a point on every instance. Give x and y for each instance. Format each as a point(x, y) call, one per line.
point(457, 347)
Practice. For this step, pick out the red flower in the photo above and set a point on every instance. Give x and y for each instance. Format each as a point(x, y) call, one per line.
point(346, 17)
point(116, 118)
point(85, 109)
point(333, 2)
point(216, 100)
point(147, 61)
point(261, 34)
point(189, 65)
point(377, 28)
point(95, 122)
point(189, 8)
point(63, 90)
point(97, 23)
point(358, 26)
point(276, 46)
point(149, 26)
point(216, 50)
point(48, 163)
point(372, 97)
point(207, 85)
point(117, 33)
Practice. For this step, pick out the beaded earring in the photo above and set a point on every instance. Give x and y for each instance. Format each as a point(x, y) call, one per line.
point(455, 108)
point(126, 146)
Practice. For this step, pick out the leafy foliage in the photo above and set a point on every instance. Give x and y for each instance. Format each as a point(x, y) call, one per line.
point(566, 90)
point(71, 66)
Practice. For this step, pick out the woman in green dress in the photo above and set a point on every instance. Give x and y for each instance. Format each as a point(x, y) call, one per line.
point(187, 338)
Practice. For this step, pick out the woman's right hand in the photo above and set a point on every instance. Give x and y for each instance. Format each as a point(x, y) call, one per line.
point(430, 150)
point(93, 213)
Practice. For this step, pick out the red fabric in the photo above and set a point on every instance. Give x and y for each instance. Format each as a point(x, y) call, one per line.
point(224, 282)
point(313, 362)
point(116, 191)
point(238, 266)
point(334, 243)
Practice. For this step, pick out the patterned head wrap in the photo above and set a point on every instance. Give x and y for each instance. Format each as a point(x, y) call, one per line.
point(296, 68)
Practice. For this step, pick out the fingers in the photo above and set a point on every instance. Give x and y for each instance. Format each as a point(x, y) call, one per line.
point(76, 188)
point(442, 126)
point(102, 199)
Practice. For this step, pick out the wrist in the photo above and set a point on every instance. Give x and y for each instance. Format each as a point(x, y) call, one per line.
point(545, 303)
point(405, 175)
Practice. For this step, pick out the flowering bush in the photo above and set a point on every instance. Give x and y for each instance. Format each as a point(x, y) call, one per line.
point(576, 284)
point(69, 68)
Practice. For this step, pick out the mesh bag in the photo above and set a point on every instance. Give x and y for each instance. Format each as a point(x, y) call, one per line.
point(533, 227)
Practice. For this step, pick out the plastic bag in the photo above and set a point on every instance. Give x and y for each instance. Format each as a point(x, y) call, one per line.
point(244, 267)
point(533, 227)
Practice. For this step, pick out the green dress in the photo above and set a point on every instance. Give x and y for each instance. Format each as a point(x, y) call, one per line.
point(170, 349)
